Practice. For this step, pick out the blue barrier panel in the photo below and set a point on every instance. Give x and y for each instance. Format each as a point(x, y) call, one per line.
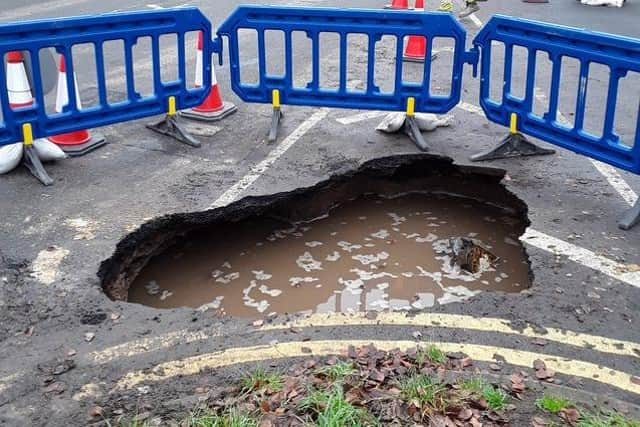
point(63, 34)
point(620, 54)
point(372, 23)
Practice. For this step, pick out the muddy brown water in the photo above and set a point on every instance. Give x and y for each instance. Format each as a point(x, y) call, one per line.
point(372, 253)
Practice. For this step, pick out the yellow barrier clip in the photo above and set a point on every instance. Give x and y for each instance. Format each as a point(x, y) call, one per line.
point(514, 124)
point(276, 99)
point(172, 107)
point(411, 107)
point(277, 116)
point(27, 134)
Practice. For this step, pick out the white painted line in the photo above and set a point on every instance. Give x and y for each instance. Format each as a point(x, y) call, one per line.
point(616, 181)
point(368, 115)
point(471, 108)
point(473, 18)
point(361, 117)
point(256, 171)
point(609, 172)
point(582, 256)
point(477, 22)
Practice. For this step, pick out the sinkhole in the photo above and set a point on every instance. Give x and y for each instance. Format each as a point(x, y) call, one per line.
point(400, 233)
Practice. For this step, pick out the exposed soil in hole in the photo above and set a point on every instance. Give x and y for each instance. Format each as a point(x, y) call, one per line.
point(380, 240)
point(372, 253)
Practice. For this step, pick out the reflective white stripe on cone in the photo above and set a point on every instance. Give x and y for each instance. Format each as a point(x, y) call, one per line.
point(213, 108)
point(79, 142)
point(17, 81)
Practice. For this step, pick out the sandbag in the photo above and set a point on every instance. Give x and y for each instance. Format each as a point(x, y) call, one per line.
point(430, 122)
point(10, 157)
point(393, 122)
point(48, 151)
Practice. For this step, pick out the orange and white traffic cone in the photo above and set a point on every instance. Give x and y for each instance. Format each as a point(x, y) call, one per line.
point(398, 4)
point(213, 108)
point(17, 82)
point(416, 48)
point(79, 142)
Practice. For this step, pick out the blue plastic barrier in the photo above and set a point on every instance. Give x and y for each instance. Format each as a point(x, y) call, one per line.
point(63, 34)
point(372, 23)
point(619, 54)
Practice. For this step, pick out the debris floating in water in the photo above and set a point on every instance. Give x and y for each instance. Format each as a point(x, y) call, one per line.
point(404, 255)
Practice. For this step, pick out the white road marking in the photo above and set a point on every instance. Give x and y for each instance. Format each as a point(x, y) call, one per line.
point(361, 117)
point(473, 18)
point(256, 172)
point(616, 181)
point(609, 172)
point(368, 115)
point(582, 256)
point(471, 108)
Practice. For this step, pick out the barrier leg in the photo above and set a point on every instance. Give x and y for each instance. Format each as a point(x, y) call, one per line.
point(631, 218)
point(30, 158)
point(278, 115)
point(170, 126)
point(412, 129)
point(514, 145)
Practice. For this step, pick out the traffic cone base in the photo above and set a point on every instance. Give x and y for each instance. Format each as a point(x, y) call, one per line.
point(417, 58)
point(213, 108)
point(79, 143)
point(210, 116)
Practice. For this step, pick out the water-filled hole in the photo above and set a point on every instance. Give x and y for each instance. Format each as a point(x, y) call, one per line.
point(384, 238)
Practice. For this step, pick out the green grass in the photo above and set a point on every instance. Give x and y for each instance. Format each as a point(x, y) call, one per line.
point(425, 391)
point(553, 405)
point(331, 409)
point(339, 371)
point(231, 418)
point(473, 386)
point(432, 354)
point(262, 380)
point(611, 419)
point(496, 398)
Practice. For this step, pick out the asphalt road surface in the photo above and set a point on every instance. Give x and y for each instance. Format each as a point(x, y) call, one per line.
point(584, 301)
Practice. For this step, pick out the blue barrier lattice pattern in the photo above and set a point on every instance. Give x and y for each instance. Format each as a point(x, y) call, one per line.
point(63, 34)
point(620, 55)
point(374, 24)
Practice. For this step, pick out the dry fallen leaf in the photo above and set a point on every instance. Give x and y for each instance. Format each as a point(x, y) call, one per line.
point(539, 364)
point(96, 411)
point(539, 422)
point(465, 414)
point(570, 415)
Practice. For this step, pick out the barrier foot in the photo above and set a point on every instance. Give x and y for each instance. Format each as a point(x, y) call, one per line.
point(514, 145)
point(32, 162)
point(277, 117)
point(169, 126)
point(412, 129)
point(631, 218)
